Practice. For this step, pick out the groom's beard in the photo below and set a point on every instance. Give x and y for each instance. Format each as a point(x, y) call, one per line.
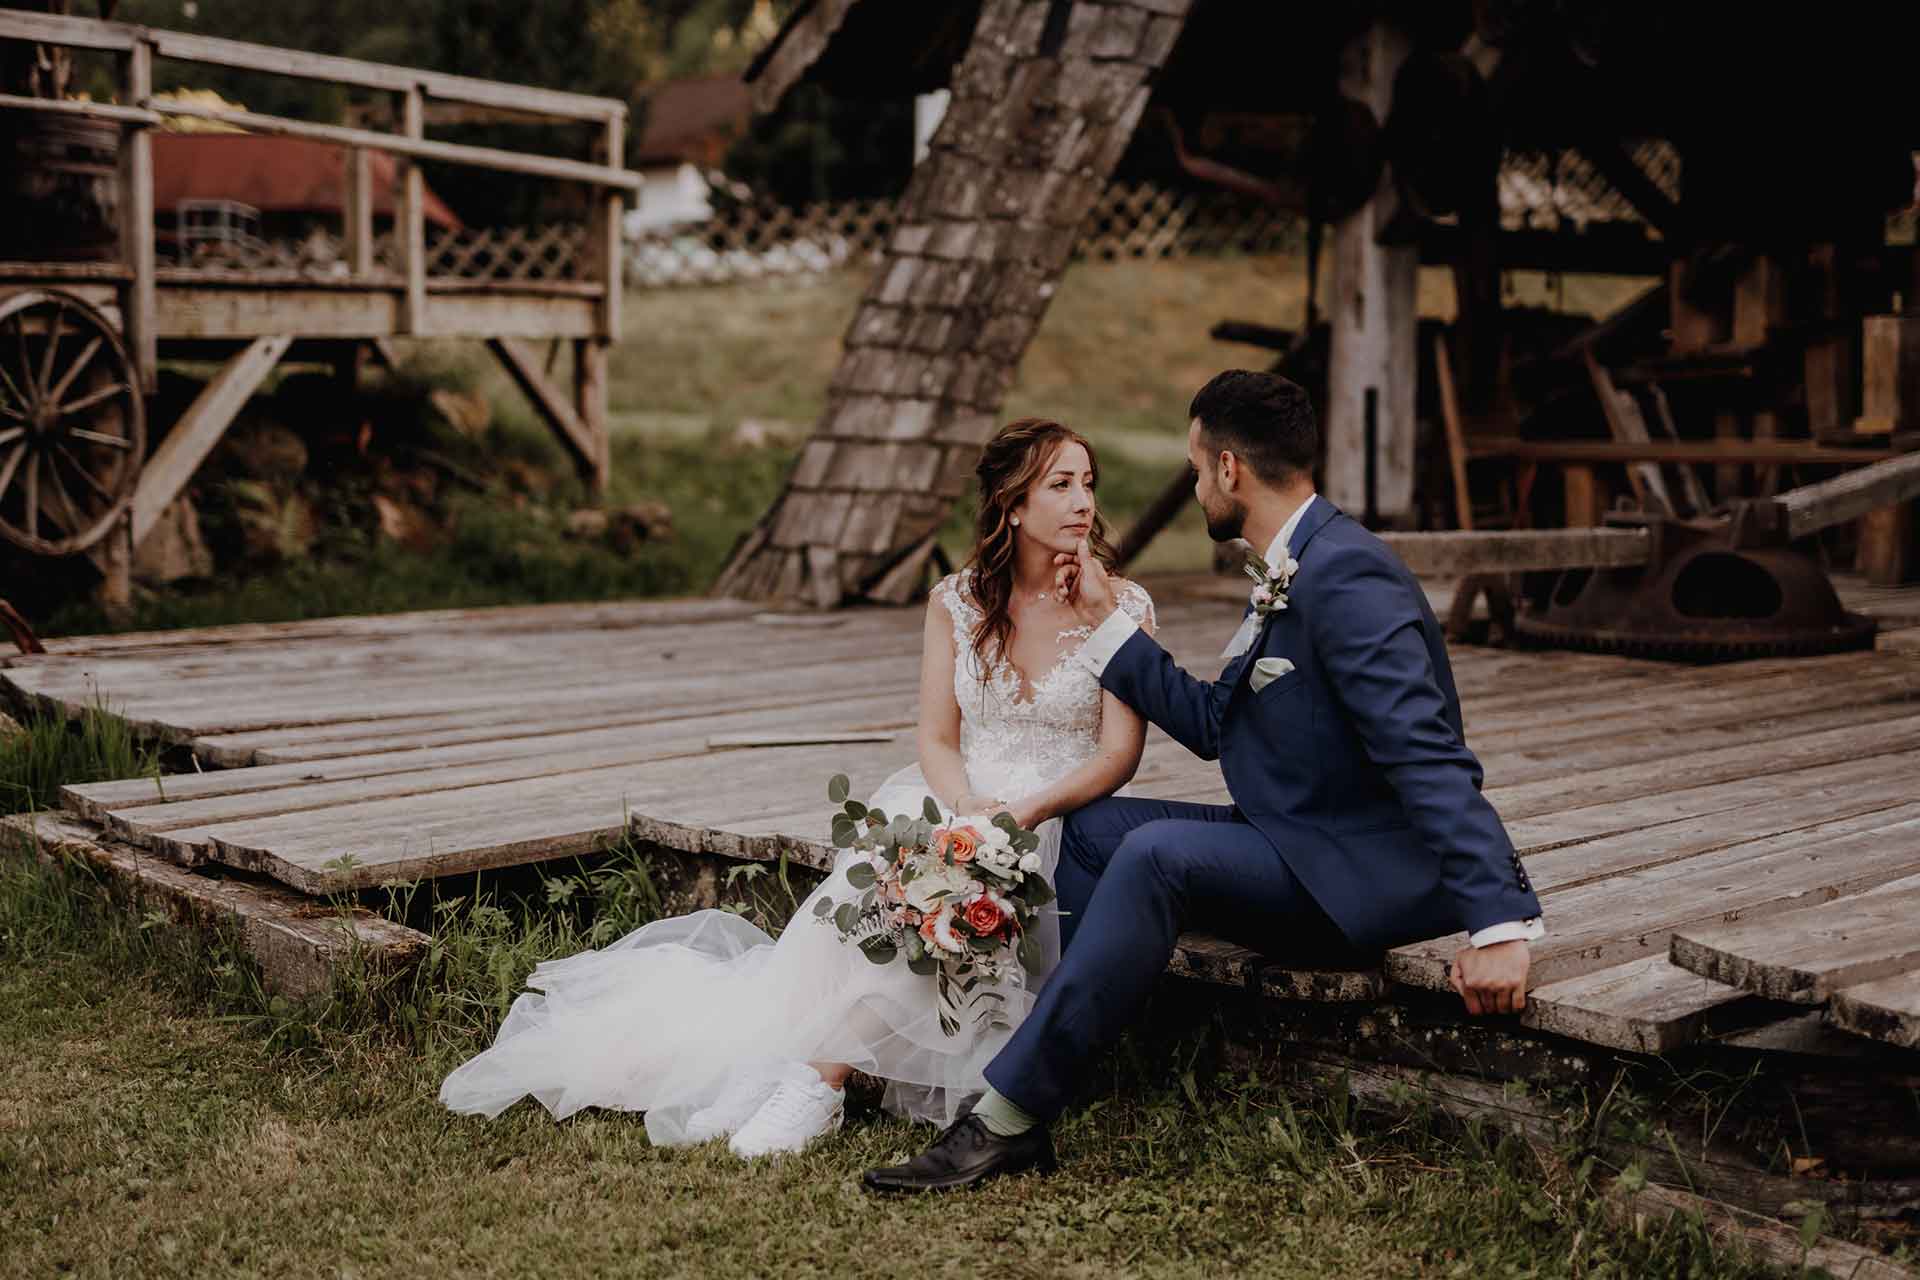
point(1226, 524)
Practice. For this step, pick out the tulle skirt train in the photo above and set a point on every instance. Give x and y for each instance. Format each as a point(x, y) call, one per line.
point(662, 1020)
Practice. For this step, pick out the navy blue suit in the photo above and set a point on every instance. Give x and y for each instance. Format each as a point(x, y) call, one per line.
point(1357, 821)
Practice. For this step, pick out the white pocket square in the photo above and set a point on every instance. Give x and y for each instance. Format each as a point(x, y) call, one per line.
point(1267, 670)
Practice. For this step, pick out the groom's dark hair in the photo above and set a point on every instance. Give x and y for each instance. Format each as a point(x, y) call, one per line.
point(1266, 420)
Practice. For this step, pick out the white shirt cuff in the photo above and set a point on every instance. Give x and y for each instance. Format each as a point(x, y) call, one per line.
point(1509, 931)
point(1106, 640)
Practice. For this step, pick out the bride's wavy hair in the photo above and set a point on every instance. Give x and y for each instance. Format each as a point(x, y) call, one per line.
point(1014, 461)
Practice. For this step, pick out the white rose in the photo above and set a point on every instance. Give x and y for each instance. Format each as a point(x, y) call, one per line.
point(1030, 862)
point(925, 892)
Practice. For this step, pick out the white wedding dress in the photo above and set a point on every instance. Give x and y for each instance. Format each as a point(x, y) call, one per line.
point(662, 1020)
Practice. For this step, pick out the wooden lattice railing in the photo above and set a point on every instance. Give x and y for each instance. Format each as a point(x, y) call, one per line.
point(748, 242)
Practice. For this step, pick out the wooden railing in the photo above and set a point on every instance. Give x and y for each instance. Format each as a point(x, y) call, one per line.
point(599, 267)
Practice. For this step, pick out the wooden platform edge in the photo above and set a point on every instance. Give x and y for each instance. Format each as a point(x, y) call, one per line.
point(301, 946)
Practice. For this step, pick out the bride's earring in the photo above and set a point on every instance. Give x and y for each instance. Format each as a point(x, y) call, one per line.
point(1016, 522)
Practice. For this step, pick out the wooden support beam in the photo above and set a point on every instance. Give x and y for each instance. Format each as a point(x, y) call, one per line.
point(1888, 554)
point(89, 33)
point(412, 145)
point(200, 428)
point(590, 407)
point(603, 238)
point(357, 216)
point(1586, 499)
point(1758, 452)
point(1446, 555)
point(410, 224)
point(1165, 508)
point(1626, 176)
point(1848, 497)
point(138, 308)
point(548, 402)
point(87, 110)
point(1370, 392)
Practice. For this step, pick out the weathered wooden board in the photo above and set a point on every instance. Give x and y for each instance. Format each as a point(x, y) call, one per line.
point(1644, 1006)
point(181, 799)
point(1807, 956)
point(1625, 917)
point(1888, 1009)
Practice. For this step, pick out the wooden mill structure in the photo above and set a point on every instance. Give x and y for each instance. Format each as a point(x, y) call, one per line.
point(83, 339)
point(1776, 342)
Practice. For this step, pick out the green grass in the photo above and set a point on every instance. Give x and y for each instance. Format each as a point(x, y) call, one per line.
point(42, 754)
point(163, 1117)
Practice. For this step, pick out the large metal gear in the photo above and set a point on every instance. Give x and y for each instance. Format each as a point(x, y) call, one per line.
point(1713, 590)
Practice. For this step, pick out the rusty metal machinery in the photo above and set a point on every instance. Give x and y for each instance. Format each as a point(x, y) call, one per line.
point(1713, 589)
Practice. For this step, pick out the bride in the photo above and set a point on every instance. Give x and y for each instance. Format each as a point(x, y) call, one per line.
point(714, 1029)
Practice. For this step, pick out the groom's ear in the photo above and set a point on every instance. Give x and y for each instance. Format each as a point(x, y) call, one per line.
point(1229, 468)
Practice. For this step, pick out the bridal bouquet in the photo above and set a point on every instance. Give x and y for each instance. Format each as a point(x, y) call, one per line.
point(954, 897)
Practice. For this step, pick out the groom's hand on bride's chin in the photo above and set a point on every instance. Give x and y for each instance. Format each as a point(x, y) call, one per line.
point(1492, 979)
point(1091, 592)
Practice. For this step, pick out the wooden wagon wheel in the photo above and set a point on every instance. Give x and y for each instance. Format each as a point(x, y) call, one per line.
point(73, 427)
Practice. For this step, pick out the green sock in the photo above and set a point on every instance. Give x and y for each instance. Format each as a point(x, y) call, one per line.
point(1003, 1117)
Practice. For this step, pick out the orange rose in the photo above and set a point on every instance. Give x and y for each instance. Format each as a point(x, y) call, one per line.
point(983, 917)
point(961, 842)
point(926, 926)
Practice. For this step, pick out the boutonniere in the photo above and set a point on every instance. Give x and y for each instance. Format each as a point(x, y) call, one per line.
point(1270, 584)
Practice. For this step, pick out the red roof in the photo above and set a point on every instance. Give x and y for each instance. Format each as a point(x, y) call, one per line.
point(274, 175)
point(695, 119)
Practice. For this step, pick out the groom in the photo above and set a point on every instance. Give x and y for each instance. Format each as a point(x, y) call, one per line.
point(1357, 819)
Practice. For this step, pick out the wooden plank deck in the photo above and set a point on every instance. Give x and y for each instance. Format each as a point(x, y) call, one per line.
point(1649, 800)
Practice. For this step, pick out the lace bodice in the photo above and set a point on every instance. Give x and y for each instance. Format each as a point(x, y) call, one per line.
point(1013, 745)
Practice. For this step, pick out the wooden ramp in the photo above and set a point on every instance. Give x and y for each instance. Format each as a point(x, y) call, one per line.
point(1651, 801)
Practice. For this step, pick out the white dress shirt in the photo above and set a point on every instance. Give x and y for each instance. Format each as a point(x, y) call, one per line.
point(1118, 628)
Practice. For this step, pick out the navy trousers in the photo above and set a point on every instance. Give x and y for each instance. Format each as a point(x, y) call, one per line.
point(1133, 875)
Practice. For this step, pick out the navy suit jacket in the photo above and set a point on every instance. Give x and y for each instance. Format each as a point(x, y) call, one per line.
point(1353, 764)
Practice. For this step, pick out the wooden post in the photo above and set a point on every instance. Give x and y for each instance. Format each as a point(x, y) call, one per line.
point(1887, 552)
point(590, 407)
point(1830, 364)
point(357, 215)
point(410, 223)
point(115, 561)
point(604, 230)
point(1373, 314)
point(1586, 500)
point(138, 309)
point(1759, 307)
point(1694, 329)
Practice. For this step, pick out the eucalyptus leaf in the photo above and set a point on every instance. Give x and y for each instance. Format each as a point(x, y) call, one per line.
point(846, 916)
point(861, 875)
point(878, 817)
point(1029, 952)
point(1040, 894)
point(880, 950)
point(839, 788)
point(856, 810)
point(1005, 822)
point(868, 898)
point(931, 808)
point(843, 832)
point(823, 908)
point(923, 964)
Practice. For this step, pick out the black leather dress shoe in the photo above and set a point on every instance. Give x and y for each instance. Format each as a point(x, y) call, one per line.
point(966, 1155)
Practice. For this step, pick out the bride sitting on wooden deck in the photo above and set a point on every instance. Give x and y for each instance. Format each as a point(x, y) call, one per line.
point(715, 1029)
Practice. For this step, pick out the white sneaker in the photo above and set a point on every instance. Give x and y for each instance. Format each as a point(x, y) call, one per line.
point(743, 1095)
point(801, 1108)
